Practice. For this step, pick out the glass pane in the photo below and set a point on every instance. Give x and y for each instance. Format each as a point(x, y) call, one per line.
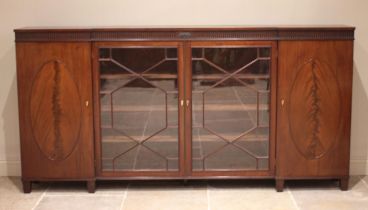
point(138, 60)
point(230, 59)
point(139, 109)
point(230, 93)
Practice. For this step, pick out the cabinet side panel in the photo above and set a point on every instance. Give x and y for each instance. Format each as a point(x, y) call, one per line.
point(314, 108)
point(55, 111)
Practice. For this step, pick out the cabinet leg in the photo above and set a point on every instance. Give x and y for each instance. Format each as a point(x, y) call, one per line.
point(344, 183)
point(27, 186)
point(280, 185)
point(91, 186)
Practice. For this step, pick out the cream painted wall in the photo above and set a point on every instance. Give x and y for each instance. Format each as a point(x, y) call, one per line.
point(20, 13)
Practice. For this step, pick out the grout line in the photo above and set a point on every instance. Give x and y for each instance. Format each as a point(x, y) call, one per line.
point(208, 198)
point(364, 182)
point(124, 197)
point(292, 198)
point(41, 197)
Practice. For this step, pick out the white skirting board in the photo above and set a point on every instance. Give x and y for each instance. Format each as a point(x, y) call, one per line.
point(12, 168)
point(358, 167)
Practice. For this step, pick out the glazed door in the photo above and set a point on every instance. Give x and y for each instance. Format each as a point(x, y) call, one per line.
point(231, 117)
point(138, 88)
point(314, 96)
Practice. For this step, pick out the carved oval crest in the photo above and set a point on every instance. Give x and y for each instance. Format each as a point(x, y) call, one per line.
point(315, 107)
point(55, 111)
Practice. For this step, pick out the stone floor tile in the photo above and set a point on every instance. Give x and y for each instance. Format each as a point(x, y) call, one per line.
point(80, 202)
point(13, 198)
point(169, 196)
point(326, 195)
point(249, 195)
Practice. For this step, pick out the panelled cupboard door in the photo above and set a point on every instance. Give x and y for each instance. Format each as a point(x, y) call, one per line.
point(314, 106)
point(55, 92)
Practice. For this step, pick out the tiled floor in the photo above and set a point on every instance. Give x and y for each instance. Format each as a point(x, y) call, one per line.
point(174, 195)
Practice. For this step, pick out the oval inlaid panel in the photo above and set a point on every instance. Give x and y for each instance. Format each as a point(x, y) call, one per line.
point(55, 111)
point(315, 107)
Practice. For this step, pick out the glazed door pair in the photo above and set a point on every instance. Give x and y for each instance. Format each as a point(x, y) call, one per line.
point(184, 109)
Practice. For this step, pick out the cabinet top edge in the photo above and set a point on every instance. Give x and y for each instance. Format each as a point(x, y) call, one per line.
point(185, 28)
point(331, 32)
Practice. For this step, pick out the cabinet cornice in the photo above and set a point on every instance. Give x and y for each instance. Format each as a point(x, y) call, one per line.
point(180, 34)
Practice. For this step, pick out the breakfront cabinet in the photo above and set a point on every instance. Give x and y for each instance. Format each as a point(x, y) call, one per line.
point(184, 103)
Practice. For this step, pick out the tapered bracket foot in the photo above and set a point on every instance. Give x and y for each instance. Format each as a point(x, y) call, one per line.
point(27, 186)
point(344, 183)
point(280, 185)
point(91, 186)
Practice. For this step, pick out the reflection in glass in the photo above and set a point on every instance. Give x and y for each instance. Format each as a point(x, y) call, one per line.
point(230, 93)
point(139, 109)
